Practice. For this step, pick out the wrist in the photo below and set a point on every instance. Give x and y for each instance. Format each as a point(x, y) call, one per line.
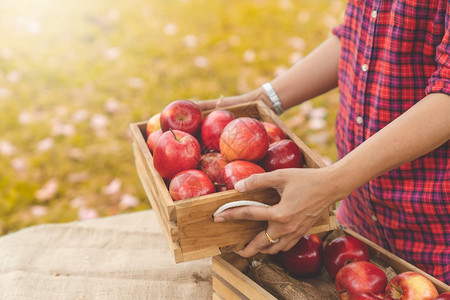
point(340, 183)
point(255, 95)
point(252, 96)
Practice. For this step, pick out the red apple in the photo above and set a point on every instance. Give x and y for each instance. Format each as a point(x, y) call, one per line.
point(444, 296)
point(212, 164)
point(244, 139)
point(238, 170)
point(341, 251)
point(305, 258)
point(282, 154)
point(274, 132)
point(153, 124)
point(181, 115)
point(367, 296)
point(410, 286)
point(189, 184)
point(175, 151)
point(360, 277)
point(212, 127)
point(153, 138)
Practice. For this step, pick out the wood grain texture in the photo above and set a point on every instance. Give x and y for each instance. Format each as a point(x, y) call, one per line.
point(238, 280)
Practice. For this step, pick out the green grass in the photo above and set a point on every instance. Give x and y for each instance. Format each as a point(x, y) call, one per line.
point(67, 64)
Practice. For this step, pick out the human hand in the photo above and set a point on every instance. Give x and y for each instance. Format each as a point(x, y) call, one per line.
point(217, 103)
point(232, 100)
point(305, 194)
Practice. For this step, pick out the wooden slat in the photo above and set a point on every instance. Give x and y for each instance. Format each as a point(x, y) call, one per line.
point(166, 226)
point(224, 289)
point(216, 296)
point(197, 230)
point(200, 253)
point(160, 189)
point(238, 280)
point(150, 189)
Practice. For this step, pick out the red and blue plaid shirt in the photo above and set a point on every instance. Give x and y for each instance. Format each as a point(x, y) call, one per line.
point(394, 53)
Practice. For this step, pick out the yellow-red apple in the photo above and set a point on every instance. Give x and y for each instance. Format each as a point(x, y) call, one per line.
point(153, 124)
point(410, 286)
point(275, 133)
point(244, 138)
point(153, 138)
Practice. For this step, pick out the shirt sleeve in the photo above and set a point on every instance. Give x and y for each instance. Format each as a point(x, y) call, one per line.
point(439, 82)
point(337, 31)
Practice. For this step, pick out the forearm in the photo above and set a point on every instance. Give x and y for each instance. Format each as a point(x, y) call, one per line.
point(312, 76)
point(421, 129)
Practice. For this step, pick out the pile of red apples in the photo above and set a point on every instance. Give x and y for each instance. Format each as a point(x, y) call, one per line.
point(347, 261)
point(197, 156)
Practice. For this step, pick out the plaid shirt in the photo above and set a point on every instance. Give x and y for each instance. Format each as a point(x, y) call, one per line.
point(394, 53)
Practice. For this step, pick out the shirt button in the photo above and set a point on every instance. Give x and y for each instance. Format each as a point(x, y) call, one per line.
point(365, 67)
point(374, 14)
point(374, 218)
point(359, 120)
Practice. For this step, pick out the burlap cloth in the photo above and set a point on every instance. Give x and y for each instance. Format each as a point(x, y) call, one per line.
point(120, 257)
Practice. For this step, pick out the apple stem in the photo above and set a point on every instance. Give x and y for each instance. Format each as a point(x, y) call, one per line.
point(171, 130)
point(398, 292)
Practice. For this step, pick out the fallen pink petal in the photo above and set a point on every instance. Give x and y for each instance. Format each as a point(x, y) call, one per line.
point(47, 191)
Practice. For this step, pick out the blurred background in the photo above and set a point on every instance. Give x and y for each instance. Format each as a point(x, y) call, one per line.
point(75, 74)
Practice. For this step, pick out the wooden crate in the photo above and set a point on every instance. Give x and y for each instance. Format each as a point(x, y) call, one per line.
point(230, 282)
point(187, 224)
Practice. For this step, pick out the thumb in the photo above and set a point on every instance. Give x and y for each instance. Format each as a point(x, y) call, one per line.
point(258, 181)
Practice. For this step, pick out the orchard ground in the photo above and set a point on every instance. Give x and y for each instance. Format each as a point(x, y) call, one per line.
point(74, 74)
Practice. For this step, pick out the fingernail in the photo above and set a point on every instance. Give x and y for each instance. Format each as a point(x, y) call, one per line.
point(239, 186)
point(219, 219)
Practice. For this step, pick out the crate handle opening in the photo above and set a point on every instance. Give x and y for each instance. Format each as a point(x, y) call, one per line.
point(238, 204)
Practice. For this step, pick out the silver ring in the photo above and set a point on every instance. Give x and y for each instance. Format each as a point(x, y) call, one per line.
point(271, 240)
